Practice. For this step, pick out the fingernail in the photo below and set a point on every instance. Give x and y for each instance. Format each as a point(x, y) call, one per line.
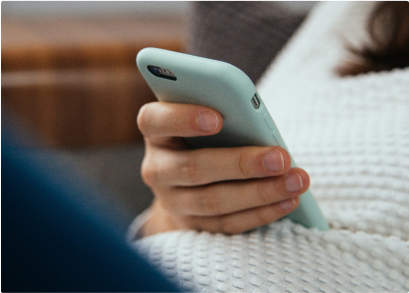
point(274, 161)
point(207, 121)
point(287, 204)
point(294, 182)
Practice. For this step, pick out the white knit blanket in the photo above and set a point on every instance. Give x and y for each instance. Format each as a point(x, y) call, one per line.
point(352, 136)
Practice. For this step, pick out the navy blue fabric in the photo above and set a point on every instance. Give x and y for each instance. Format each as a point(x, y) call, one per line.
point(53, 242)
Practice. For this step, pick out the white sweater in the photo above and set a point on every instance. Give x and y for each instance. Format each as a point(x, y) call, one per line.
point(352, 136)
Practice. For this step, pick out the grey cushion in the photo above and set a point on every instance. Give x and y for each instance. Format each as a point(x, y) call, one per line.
point(245, 34)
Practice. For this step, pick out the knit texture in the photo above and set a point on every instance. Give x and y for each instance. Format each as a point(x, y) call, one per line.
point(352, 136)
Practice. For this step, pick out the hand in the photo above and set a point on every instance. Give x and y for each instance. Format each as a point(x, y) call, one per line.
point(227, 190)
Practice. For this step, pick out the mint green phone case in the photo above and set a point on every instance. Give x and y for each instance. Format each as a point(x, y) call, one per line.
point(227, 89)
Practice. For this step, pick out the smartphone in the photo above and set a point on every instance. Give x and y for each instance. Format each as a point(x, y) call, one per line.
point(181, 78)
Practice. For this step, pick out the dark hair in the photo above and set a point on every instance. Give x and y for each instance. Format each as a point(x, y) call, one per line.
point(388, 29)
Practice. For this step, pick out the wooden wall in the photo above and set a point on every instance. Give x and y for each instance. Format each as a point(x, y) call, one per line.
point(75, 81)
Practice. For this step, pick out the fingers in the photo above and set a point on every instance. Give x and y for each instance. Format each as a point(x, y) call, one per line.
point(204, 166)
point(238, 222)
point(159, 119)
point(243, 221)
point(230, 197)
point(227, 190)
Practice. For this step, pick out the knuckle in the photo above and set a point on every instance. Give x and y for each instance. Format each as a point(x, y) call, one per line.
point(209, 204)
point(149, 173)
point(263, 191)
point(245, 172)
point(190, 171)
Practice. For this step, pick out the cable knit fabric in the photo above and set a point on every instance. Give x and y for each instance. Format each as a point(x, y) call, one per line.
point(352, 136)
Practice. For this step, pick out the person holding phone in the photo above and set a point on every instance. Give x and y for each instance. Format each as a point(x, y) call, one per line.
point(345, 122)
point(225, 128)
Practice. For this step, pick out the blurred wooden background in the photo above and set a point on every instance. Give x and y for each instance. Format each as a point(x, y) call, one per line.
point(75, 81)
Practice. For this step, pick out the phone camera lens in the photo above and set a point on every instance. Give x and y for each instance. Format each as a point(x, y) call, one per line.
point(155, 70)
point(161, 72)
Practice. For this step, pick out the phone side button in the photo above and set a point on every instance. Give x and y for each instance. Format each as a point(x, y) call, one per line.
point(269, 122)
